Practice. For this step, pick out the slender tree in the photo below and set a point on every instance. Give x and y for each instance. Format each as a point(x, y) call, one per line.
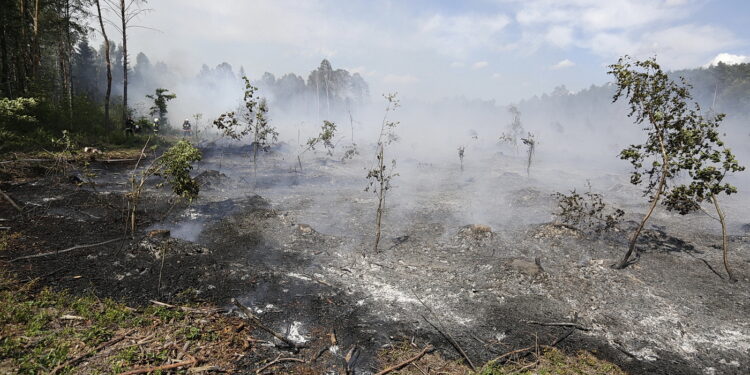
point(125, 12)
point(679, 140)
point(108, 63)
point(380, 178)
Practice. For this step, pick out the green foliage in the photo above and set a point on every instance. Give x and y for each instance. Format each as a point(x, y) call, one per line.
point(327, 132)
point(587, 211)
point(15, 112)
point(265, 134)
point(252, 117)
point(160, 98)
point(175, 166)
point(238, 124)
point(679, 137)
point(379, 178)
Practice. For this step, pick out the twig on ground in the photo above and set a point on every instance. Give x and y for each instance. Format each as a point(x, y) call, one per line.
point(291, 344)
point(278, 360)
point(188, 309)
point(11, 201)
point(447, 336)
point(453, 343)
point(145, 370)
point(561, 324)
point(318, 354)
point(76, 247)
point(403, 364)
point(517, 351)
point(564, 336)
point(75, 360)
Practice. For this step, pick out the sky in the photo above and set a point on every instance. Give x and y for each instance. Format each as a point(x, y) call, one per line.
point(502, 50)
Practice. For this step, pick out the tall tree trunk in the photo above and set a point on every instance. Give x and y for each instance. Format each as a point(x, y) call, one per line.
point(109, 67)
point(21, 51)
point(5, 65)
point(37, 52)
point(68, 64)
point(124, 62)
point(724, 240)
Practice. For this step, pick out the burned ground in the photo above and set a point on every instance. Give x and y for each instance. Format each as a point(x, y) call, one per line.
point(475, 253)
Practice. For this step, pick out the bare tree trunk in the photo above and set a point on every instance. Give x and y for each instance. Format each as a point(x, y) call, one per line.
point(124, 62)
point(109, 66)
point(634, 238)
point(659, 190)
point(724, 240)
point(381, 195)
point(68, 64)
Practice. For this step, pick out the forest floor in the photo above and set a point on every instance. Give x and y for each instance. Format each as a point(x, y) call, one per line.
point(490, 274)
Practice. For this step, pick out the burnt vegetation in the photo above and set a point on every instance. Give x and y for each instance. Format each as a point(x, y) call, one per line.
point(130, 246)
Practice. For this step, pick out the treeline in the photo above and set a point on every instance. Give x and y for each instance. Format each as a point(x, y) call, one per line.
point(326, 90)
point(53, 79)
point(721, 88)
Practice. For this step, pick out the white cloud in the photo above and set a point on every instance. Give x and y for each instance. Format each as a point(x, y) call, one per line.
point(729, 59)
point(563, 64)
point(480, 65)
point(497, 76)
point(457, 64)
point(595, 15)
point(460, 35)
point(641, 28)
point(400, 78)
point(559, 36)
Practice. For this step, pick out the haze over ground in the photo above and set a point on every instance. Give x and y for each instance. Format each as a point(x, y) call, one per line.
point(488, 49)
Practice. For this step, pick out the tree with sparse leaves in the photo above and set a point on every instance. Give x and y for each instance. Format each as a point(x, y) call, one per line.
point(327, 132)
point(174, 167)
point(380, 178)
point(159, 108)
point(679, 141)
point(252, 117)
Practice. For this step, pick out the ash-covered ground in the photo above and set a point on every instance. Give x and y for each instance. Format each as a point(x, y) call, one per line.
point(473, 252)
point(672, 312)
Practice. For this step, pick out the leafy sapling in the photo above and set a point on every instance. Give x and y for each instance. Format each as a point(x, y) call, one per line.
point(379, 178)
point(264, 134)
point(159, 108)
point(327, 132)
point(679, 141)
point(250, 118)
point(586, 212)
point(174, 167)
point(530, 143)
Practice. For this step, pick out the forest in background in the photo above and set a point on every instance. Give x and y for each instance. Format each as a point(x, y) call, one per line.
point(53, 79)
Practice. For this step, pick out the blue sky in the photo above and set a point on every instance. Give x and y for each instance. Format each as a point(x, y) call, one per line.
point(489, 49)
